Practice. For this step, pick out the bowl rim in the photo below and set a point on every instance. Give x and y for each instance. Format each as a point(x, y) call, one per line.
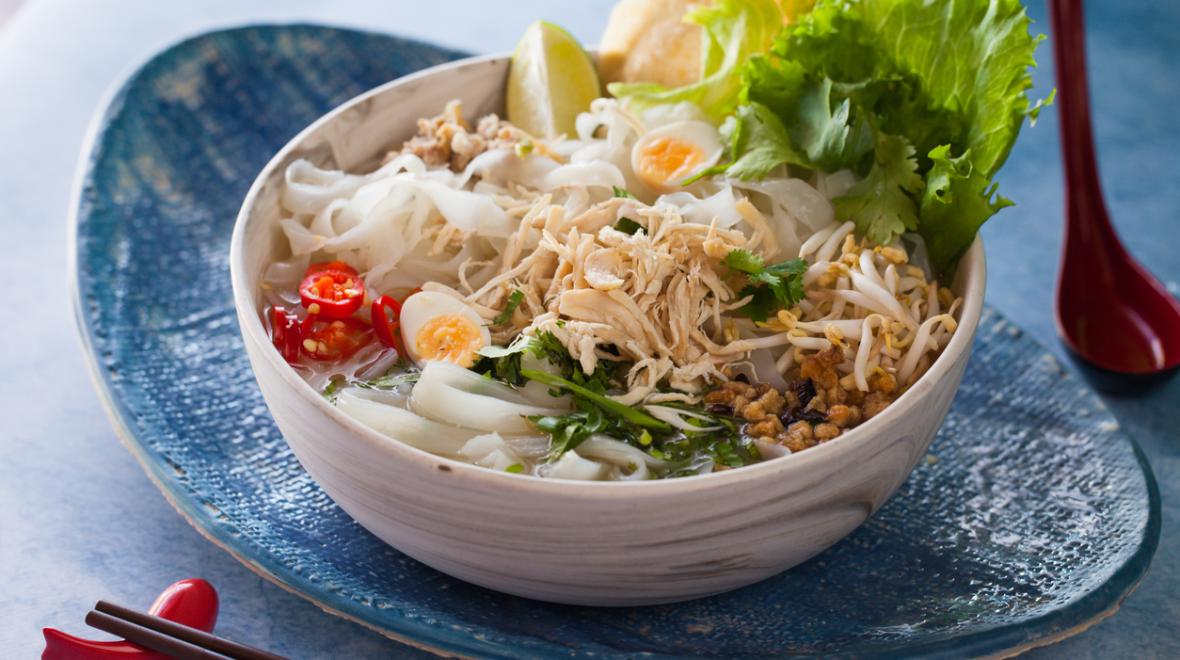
point(972, 270)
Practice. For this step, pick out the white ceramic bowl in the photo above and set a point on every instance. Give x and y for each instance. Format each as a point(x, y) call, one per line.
point(599, 543)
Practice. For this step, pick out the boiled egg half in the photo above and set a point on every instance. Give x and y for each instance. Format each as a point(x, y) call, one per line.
point(664, 157)
point(436, 326)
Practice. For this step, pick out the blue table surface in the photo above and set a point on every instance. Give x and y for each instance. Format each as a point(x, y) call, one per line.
point(80, 521)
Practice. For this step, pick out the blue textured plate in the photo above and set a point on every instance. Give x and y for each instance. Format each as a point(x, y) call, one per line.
point(1034, 521)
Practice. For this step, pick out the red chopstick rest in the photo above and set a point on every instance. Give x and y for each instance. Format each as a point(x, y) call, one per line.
point(191, 602)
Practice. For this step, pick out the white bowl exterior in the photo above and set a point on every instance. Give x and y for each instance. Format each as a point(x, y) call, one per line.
point(570, 542)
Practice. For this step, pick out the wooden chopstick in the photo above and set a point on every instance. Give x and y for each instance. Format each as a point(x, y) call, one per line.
point(152, 639)
point(169, 637)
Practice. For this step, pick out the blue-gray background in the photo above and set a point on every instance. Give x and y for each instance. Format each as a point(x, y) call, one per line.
point(79, 520)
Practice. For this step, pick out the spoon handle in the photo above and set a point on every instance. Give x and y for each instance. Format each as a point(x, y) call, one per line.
point(1085, 208)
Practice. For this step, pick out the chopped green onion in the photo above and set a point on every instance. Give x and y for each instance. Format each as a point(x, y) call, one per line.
point(628, 226)
point(607, 404)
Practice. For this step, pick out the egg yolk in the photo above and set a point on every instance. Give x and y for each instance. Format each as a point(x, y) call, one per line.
point(667, 158)
point(451, 338)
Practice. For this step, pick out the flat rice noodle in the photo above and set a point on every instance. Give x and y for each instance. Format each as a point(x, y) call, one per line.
point(589, 175)
point(403, 425)
point(449, 393)
point(468, 211)
point(575, 468)
point(490, 451)
point(721, 206)
point(500, 166)
point(620, 454)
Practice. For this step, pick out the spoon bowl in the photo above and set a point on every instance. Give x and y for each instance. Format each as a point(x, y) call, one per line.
point(1111, 312)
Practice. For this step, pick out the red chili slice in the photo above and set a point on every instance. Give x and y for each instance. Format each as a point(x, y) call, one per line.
point(330, 265)
point(285, 333)
point(332, 293)
point(334, 339)
point(385, 327)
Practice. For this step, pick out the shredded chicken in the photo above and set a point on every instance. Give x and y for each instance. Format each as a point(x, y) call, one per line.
point(653, 298)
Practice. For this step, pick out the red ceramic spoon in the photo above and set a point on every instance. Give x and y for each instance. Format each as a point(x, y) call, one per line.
point(1110, 310)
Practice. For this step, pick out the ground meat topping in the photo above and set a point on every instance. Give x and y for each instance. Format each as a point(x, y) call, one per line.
point(817, 405)
point(448, 141)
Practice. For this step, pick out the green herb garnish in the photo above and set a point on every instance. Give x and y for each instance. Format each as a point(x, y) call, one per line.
point(628, 226)
point(607, 404)
point(773, 287)
point(596, 413)
point(391, 381)
point(332, 389)
point(568, 431)
point(622, 192)
point(514, 300)
point(515, 468)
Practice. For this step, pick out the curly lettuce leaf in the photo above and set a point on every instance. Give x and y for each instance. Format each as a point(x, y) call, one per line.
point(967, 60)
point(937, 89)
point(734, 31)
point(772, 81)
point(957, 200)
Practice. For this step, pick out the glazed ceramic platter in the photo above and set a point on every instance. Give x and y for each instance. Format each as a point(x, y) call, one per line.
point(1032, 518)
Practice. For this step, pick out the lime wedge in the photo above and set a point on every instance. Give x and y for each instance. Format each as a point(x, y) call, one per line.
point(552, 79)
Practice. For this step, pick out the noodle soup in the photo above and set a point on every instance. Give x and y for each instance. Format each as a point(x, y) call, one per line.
point(544, 307)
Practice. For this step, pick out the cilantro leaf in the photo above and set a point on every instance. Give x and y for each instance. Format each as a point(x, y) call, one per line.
point(745, 261)
point(568, 431)
point(831, 137)
point(791, 273)
point(773, 287)
point(762, 302)
point(881, 204)
point(758, 143)
point(514, 300)
point(622, 192)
